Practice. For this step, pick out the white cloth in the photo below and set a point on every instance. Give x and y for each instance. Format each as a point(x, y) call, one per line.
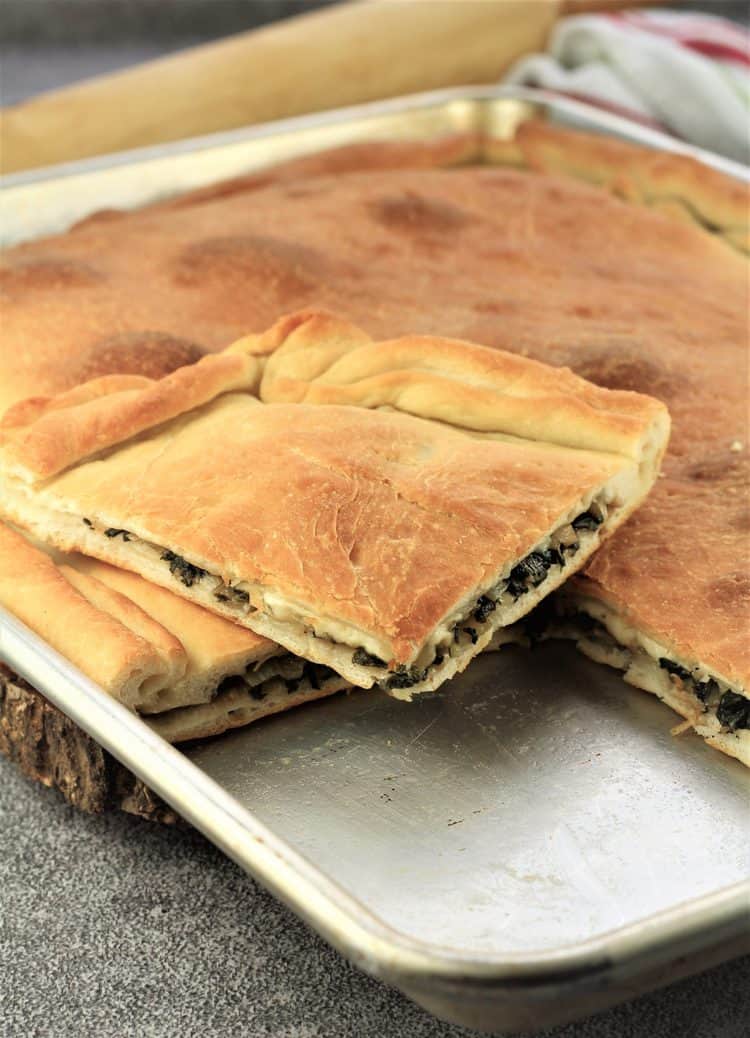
point(687, 74)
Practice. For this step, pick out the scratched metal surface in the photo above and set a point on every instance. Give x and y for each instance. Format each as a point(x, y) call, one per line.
point(534, 802)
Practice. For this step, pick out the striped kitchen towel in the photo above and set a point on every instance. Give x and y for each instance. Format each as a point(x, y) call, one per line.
point(685, 74)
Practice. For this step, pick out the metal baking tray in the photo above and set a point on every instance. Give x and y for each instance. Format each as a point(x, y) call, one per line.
point(522, 848)
point(50, 199)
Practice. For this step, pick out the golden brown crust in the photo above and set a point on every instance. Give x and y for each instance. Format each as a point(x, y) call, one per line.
point(108, 410)
point(130, 615)
point(209, 640)
point(514, 260)
point(677, 184)
point(316, 357)
point(24, 412)
point(110, 653)
point(453, 150)
point(325, 360)
point(358, 517)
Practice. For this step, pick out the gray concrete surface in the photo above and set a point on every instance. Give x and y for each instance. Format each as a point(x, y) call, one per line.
point(112, 927)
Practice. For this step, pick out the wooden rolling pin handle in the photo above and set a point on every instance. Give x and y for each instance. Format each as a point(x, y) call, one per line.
point(345, 54)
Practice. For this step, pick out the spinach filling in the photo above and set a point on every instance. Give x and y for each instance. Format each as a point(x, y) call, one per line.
point(733, 711)
point(485, 606)
point(315, 674)
point(113, 532)
point(704, 690)
point(587, 521)
point(366, 659)
point(402, 677)
point(235, 595)
point(182, 569)
point(405, 677)
point(529, 572)
point(532, 571)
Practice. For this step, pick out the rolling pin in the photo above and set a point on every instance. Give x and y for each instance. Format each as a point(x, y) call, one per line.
point(341, 55)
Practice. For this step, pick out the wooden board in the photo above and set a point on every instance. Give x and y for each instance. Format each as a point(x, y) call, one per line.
point(49, 748)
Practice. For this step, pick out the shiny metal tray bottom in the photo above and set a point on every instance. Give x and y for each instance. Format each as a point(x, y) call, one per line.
point(511, 813)
point(524, 847)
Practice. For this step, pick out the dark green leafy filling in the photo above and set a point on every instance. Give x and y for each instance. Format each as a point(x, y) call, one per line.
point(587, 521)
point(532, 571)
point(529, 572)
point(182, 569)
point(405, 677)
point(315, 673)
point(702, 689)
point(237, 682)
point(484, 607)
point(674, 668)
point(733, 711)
point(366, 659)
point(235, 595)
point(113, 532)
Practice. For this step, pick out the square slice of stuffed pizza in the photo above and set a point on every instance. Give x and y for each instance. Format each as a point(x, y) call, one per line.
point(388, 546)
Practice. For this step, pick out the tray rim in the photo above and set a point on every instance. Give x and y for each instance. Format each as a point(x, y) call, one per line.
point(713, 921)
point(478, 95)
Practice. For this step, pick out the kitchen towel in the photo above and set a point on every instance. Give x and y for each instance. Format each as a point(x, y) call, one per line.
point(685, 74)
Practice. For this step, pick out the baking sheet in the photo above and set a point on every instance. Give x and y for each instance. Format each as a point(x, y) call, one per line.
point(50, 199)
point(513, 851)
